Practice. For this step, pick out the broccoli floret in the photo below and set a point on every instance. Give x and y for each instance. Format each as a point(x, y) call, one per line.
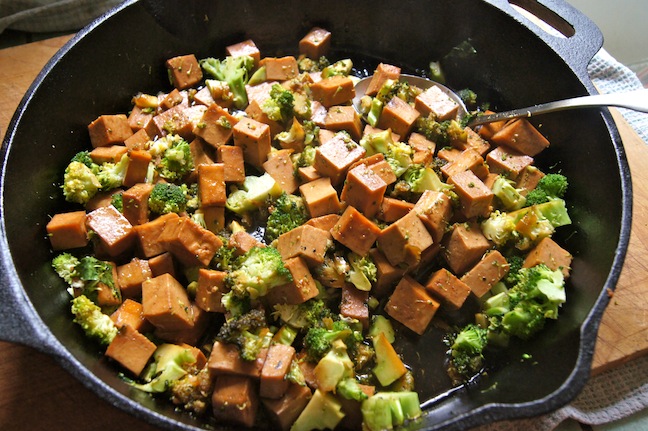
point(399, 156)
point(246, 331)
point(83, 275)
point(306, 157)
point(117, 200)
point(318, 341)
point(305, 315)
point(193, 391)
point(549, 187)
point(323, 411)
point(253, 194)
point(225, 257)
point(306, 64)
point(507, 194)
point(515, 263)
point(233, 70)
point(258, 271)
point(80, 184)
point(219, 90)
point(236, 305)
point(377, 142)
point(171, 362)
point(350, 389)
point(417, 179)
point(468, 97)
point(311, 133)
point(176, 161)
point(286, 213)
point(84, 157)
point(466, 352)
point(167, 198)
point(95, 323)
point(443, 133)
point(340, 67)
point(363, 271)
point(111, 175)
point(393, 88)
point(280, 105)
point(386, 410)
point(334, 367)
point(293, 137)
point(65, 265)
point(191, 193)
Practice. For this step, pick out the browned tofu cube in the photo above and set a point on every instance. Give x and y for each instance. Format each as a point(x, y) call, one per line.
point(142, 119)
point(387, 275)
point(174, 98)
point(232, 158)
point(115, 233)
point(68, 230)
point(225, 359)
point(247, 47)
point(273, 383)
point(364, 190)
point(486, 131)
point(448, 288)
point(210, 290)
point(109, 296)
point(235, 400)
point(468, 159)
point(307, 174)
point(335, 157)
point(191, 244)
point(392, 209)
point(464, 247)
point(325, 222)
point(299, 290)
point(316, 43)
point(184, 71)
point(355, 231)
point(242, 242)
point(131, 313)
point(135, 203)
point(280, 167)
point(211, 185)
point(521, 136)
point(529, 179)
point(166, 303)
point(435, 101)
point(214, 218)
point(215, 126)
point(473, 141)
point(131, 275)
point(306, 241)
point(320, 198)
point(109, 130)
point(137, 168)
point(508, 162)
point(380, 166)
point(191, 335)
point(284, 411)
point(201, 153)
point(551, 254)
point(137, 141)
point(335, 90)
point(475, 198)
point(398, 116)
point(255, 111)
point(148, 234)
point(353, 304)
point(204, 97)
point(382, 73)
point(280, 69)
point(411, 305)
point(344, 118)
point(489, 270)
point(179, 120)
point(403, 241)
point(162, 264)
point(108, 154)
point(254, 138)
point(423, 148)
point(435, 210)
point(448, 153)
point(131, 350)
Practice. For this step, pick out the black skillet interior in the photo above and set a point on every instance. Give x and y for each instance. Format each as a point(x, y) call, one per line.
point(111, 61)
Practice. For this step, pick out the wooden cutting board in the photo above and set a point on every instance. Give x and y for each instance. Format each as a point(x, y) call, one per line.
point(28, 378)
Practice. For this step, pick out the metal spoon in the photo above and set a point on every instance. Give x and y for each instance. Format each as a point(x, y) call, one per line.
point(636, 100)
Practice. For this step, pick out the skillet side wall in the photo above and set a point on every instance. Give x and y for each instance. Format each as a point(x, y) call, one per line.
point(511, 67)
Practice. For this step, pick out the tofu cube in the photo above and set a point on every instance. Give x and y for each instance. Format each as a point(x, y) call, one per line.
point(184, 71)
point(280, 167)
point(411, 305)
point(464, 246)
point(320, 198)
point(355, 231)
point(335, 90)
point(448, 288)
point(436, 101)
point(522, 136)
point(468, 159)
point(305, 241)
point(210, 290)
point(405, 240)
point(508, 162)
point(475, 198)
point(382, 73)
point(398, 116)
point(235, 400)
point(247, 47)
point(272, 383)
point(191, 244)
point(299, 290)
point(364, 190)
point(211, 184)
point(344, 118)
point(131, 349)
point(254, 139)
point(435, 210)
point(215, 126)
point(334, 157)
point(114, 231)
point(166, 304)
point(551, 254)
point(131, 275)
point(68, 230)
point(316, 43)
point(280, 69)
point(232, 158)
point(489, 270)
point(131, 313)
point(109, 130)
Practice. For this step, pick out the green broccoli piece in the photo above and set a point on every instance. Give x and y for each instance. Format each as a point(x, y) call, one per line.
point(84, 157)
point(65, 265)
point(350, 389)
point(311, 133)
point(191, 193)
point(306, 64)
point(306, 157)
point(236, 305)
point(339, 68)
point(111, 175)
point(386, 410)
point(507, 194)
point(80, 184)
point(515, 263)
point(117, 200)
point(258, 271)
point(246, 332)
point(393, 88)
point(305, 315)
point(549, 187)
point(323, 411)
point(225, 257)
point(171, 362)
point(444, 133)
point(233, 70)
point(280, 105)
point(417, 179)
point(468, 97)
point(83, 275)
point(176, 161)
point(377, 142)
point(95, 323)
point(399, 156)
point(167, 198)
point(286, 213)
point(363, 271)
point(253, 194)
point(466, 352)
point(318, 341)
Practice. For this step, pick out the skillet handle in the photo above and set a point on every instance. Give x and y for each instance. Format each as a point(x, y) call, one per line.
point(572, 35)
point(19, 322)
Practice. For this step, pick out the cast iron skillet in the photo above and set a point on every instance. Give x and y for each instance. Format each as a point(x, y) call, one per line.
point(514, 63)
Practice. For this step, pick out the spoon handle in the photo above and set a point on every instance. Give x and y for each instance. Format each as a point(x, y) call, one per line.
point(636, 100)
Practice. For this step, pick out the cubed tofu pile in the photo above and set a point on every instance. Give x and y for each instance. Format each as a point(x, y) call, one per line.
point(427, 245)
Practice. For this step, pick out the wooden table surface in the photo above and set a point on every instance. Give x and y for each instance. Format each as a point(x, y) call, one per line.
point(37, 394)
